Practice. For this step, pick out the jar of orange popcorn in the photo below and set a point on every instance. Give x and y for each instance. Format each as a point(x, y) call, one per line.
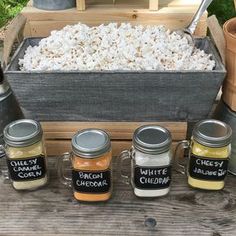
point(90, 161)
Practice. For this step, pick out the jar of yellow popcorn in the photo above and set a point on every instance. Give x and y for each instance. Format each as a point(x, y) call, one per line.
point(25, 154)
point(208, 157)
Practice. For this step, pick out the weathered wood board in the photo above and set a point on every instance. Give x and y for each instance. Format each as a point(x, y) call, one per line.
point(53, 211)
point(173, 14)
point(58, 134)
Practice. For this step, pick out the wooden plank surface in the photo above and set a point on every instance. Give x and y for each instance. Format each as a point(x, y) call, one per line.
point(44, 28)
point(34, 14)
point(80, 5)
point(53, 211)
point(116, 130)
point(185, 3)
point(139, 3)
point(153, 5)
point(58, 147)
point(43, 22)
point(58, 134)
point(217, 35)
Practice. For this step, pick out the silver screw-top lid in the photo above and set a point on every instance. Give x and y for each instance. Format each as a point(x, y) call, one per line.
point(212, 133)
point(22, 133)
point(152, 139)
point(91, 143)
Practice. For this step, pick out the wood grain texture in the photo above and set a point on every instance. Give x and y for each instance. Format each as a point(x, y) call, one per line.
point(53, 211)
point(80, 4)
point(153, 5)
point(58, 147)
point(44, 28)
point(217, 35)
point(186, 3)
point(116, 130)
point(58, 134)
point(13, 32)
point(43, 22)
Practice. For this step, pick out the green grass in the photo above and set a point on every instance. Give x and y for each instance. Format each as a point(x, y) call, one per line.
point(223, 9)
point(9, 9)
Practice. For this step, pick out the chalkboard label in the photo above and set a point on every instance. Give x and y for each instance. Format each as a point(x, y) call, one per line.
point(27, 169)
point(211, 169)
point(91, 181)
point(152, 178)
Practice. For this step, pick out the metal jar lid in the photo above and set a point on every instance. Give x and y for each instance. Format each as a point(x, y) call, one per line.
point(91, 143)
point(212, 133)
point(151, 139)
point(22, 133)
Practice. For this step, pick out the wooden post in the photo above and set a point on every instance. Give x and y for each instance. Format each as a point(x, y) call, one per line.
point(217, 35)
point(235, 3)
point(80, 5)
point(12, 33)
point(153, 5)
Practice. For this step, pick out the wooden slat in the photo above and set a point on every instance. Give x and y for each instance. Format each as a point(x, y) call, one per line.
point(52, 211)
point(153, 5)
point(174, 17)
point(13, 32)
point(116, 130)
point(34, 14)
point(185, 3)
point(217, 35)
point(44, 28)
point(144, 3)
point(58, 147)
point(173, 14)
point(80, 5)
point(58, 134)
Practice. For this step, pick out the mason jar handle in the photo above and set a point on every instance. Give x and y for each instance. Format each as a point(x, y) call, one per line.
point(183, 145)
point(66, 157)
point(121, 158)
point(2, 151)
point(3, 172)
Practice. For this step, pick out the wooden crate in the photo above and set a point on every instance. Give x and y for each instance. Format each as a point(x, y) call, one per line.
point(82, 4)
point(171, 13)
point(58, 134)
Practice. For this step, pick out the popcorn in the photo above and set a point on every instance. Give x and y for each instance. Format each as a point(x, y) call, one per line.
point(114, 47)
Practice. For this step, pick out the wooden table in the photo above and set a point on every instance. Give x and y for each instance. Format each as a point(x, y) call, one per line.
point(53, 211)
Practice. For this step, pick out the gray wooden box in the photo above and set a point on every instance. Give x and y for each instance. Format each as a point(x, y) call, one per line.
point(116, 95)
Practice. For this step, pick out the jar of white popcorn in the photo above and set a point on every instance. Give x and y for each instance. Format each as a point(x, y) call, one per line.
point(151, 158)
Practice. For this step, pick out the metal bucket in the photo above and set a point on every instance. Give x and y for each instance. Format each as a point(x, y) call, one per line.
point(224, 113)
point(9, 109)
point(54, 4)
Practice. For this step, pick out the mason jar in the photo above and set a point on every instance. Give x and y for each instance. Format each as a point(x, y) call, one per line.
point(208, 155)
point(151, 158)
point(90, 165)
point(25, 154)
